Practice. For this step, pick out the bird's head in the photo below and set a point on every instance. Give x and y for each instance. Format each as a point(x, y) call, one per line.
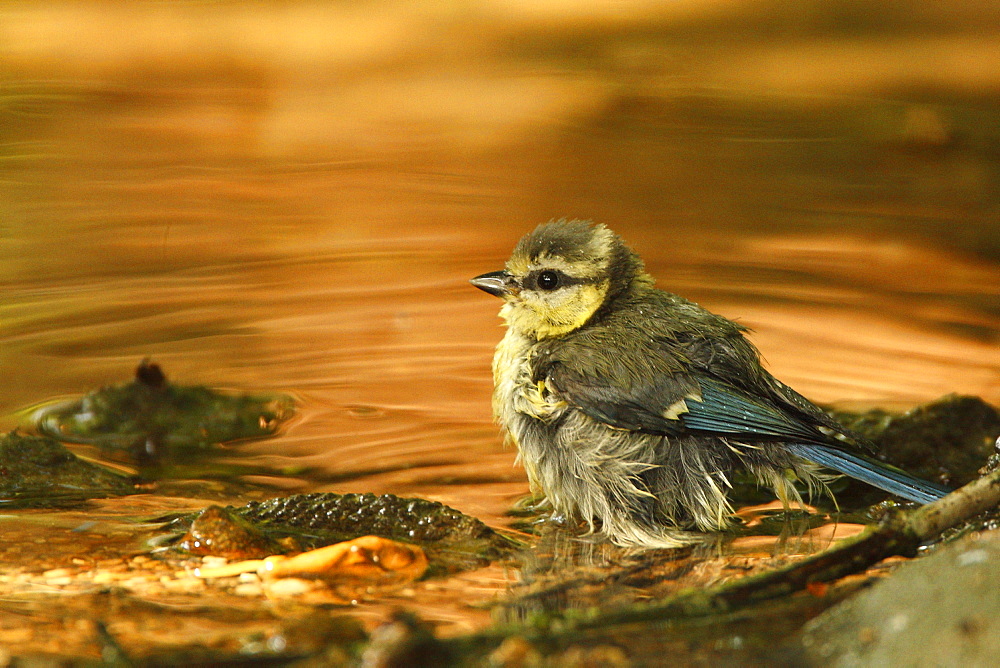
point(560, 275)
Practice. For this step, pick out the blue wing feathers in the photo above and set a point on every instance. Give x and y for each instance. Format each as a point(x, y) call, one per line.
point(886, 479)
point(726, 412)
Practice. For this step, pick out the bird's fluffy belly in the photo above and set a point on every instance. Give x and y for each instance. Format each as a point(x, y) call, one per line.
point(589, 470)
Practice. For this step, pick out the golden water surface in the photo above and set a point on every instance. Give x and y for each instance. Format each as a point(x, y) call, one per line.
point(292, 197)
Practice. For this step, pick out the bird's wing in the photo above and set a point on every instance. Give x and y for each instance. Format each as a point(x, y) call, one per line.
point(651, 405)
point(665, 365)
point(688, 384)
point(727, 410)
point(662, 385)
point(676, 403)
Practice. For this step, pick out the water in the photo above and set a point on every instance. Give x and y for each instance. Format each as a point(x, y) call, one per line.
point(274, 202)
point(347, 287)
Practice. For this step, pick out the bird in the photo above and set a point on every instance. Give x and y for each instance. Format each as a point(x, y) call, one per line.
point(631, 407)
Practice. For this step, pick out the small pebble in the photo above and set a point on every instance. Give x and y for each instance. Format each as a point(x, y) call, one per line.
point(972, 557)
point(184, 586)
point(287, 587)
point(248, 589)
point(213, 562)
point(56, 573)
point(135, 582)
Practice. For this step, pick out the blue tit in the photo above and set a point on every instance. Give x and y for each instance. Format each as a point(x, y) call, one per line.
point(632, 407)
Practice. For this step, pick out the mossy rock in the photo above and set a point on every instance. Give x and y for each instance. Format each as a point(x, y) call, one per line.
point(149, 420)
point(37, 471)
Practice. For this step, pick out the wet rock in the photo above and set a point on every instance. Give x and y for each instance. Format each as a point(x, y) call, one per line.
point(352, 515)
point(942, 610)
point(38, 471)
point(222, 532)
point(452, 540)
point(150, 419)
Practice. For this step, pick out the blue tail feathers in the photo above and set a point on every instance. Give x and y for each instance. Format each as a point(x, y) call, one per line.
point(875, 474)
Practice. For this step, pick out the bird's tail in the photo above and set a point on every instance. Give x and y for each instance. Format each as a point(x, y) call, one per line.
point(878, 475)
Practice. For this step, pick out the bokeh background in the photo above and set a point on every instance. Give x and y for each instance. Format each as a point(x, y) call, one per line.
point(291, 196)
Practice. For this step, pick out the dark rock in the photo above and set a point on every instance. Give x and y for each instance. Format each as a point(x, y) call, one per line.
point(38, 471)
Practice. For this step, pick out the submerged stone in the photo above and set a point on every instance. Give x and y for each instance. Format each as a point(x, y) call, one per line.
point(150, 419)
point(38, 471)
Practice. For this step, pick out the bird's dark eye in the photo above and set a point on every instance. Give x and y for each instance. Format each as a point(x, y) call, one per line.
point(548, 280)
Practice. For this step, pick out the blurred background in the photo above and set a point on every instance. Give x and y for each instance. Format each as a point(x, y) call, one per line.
point(291, 196)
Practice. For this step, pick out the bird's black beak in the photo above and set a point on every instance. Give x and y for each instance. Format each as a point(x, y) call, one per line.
point(497, 283)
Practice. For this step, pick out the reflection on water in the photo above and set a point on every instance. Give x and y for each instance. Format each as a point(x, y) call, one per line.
point(281, 203)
